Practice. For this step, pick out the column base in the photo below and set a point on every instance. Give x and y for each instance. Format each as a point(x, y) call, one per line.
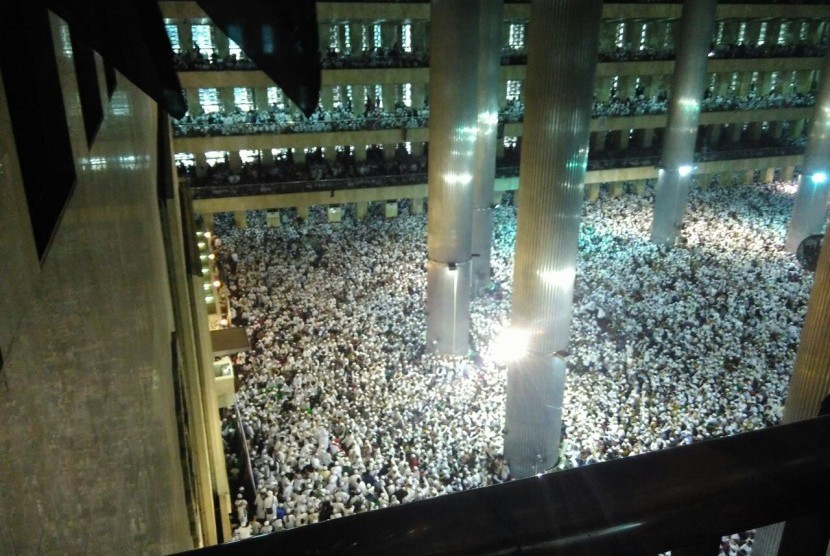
point(448, 307)
point(533, 419)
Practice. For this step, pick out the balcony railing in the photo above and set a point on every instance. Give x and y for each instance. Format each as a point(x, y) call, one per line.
point(680, 499)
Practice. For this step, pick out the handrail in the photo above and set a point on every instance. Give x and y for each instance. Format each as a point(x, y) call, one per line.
point(202, 188)
point(639, 505)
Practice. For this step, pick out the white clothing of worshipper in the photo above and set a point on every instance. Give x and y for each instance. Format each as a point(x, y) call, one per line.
point(241, 509)
point(245, 531)
point(259, 502)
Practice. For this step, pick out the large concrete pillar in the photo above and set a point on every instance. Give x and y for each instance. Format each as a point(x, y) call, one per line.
point(484, 171)
point(453, 136)
point(671, 194)
point(810, 208)
point(554, 158)
point(810, 383)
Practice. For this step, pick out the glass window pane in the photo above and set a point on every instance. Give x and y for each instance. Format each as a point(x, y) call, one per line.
point(173, 35)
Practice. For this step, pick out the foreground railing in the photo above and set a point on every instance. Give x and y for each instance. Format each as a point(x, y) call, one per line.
point(668, 500)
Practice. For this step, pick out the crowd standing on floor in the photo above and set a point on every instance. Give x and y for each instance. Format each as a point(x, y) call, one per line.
point(346, 411)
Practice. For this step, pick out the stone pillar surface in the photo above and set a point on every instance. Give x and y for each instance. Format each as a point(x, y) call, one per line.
point(484, 170)
point(671, 194)
point(810, 383)
point(557, 121)
point(453, 136)
point(810, 207)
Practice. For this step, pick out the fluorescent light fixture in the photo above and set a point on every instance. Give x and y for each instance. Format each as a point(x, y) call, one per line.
point(684, 170)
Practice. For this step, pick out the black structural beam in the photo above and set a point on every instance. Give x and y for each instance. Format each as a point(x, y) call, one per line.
point(639, 505)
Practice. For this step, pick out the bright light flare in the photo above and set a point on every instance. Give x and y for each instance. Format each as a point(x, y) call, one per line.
point(819, 178)
point(457, 179)
point(684, 170)
point(510, 345)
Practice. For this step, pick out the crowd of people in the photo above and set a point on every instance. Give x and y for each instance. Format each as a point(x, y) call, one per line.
point(342, 118)
point(346, 411)
point(380, 57)
point(278, 120)
point(319, 173)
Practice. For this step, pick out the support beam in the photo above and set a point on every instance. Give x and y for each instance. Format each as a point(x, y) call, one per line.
point(810, 208)
point(558, 95)
point(484, 169)
point(672, 191)
point(810, 383)
point(454, 31)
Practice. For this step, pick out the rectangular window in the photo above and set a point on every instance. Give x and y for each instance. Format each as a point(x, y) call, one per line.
point(349, 98)
point(364, 38)
point(773, 80)
point(203, 38)
point(514, 89)
point(334, 38)
point(249, 156)
point(742, 33)
point(185, 160)
point(377, 37)
point(347, 37)
point(379, 96)
point(783, 33)
point(337, 97)
point(406, 94)
point(620, 35)
point(216, 157)
point(406, 37)
point(762, 33)
point(644, 36)
point(719, 33)
point(510, 142)
point(516, 36)
point(173, 35)
point(276, 97)
point(243, 97)
point(280, 154)
point(209, 100)
point(234, 50)
point(733, 84)
point(804, 31)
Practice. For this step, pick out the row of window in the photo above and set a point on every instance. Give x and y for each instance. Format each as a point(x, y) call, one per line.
point(202, 34)
point(370, 36)
point(784, 35)
point(343, 95)
point(253, 156)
